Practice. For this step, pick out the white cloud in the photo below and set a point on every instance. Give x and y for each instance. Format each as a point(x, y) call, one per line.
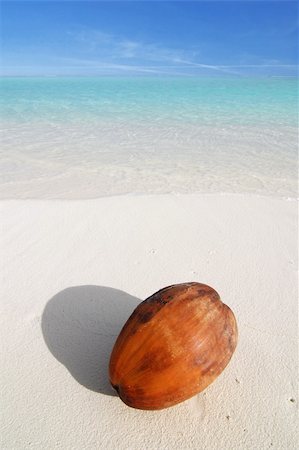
point(108, 52)
point(129, 49)
point(102, 44)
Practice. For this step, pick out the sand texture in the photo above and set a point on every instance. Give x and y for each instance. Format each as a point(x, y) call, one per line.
point(73, 271)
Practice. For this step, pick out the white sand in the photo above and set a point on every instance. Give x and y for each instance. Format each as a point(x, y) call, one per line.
point(72, 272)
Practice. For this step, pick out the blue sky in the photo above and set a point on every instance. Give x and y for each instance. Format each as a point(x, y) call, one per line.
point(149, 38)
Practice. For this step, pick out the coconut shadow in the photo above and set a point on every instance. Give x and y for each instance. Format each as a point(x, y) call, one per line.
point(80, 325)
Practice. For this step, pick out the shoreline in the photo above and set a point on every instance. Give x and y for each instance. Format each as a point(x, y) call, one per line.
point(91, 160)
point(287, 198)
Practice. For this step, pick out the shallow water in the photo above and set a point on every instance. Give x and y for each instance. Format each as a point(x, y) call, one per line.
point(88, 137)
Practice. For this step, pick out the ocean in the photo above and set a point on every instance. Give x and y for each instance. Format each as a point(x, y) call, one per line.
point(91, 137)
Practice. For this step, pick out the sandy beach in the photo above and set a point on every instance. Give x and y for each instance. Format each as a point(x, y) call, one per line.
point(145, 144)
point(72, 273)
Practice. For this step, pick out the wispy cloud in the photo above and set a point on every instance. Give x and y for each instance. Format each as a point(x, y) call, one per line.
point(108, 51)
point(218, 68)
point(93, 65)
point(101, 53)
point(129, 49)
point(112, 47)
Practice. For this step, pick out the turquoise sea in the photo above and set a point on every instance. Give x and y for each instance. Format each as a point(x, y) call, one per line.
point(204, 101)
point(87, 137)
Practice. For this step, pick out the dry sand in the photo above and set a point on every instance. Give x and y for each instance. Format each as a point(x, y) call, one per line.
point(73, 271)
